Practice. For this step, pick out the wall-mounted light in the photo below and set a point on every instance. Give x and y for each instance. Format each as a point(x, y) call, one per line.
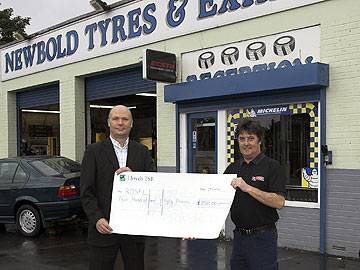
point(328, 157)
point(101, 106)
point(39, 111)
point(99, 5)
point(146, 94)
point(107, 106)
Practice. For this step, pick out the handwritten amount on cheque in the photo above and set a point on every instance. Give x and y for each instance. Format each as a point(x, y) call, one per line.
point(150, 201)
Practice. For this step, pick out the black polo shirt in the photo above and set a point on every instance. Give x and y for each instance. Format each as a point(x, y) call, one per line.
point(265, 174)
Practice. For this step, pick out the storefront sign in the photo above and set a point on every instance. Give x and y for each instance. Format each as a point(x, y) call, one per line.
point(266, 111)
point(131, 25)
point(159, 66)
point(271, 52)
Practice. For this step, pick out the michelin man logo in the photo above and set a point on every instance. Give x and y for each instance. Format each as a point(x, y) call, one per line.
point(251, 112)
point(312, 178)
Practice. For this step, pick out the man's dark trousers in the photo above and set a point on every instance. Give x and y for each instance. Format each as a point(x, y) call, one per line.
point(254, 252)
point(132, 251)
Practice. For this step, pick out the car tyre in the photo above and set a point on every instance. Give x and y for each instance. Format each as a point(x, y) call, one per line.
point(28, 220)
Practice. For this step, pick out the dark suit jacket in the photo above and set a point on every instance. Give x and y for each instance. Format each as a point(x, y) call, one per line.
point(96, 182)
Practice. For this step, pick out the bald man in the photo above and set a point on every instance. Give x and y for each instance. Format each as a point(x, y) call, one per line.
point(101, 160)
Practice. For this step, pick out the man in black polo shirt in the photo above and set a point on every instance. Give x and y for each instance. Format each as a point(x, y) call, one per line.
point(260, 190)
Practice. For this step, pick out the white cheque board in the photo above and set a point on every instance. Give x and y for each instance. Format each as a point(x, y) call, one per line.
point(171, 204)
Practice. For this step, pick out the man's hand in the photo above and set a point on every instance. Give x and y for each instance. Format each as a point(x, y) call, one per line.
point(240, 183)
point(102, 225)
point(123, 169)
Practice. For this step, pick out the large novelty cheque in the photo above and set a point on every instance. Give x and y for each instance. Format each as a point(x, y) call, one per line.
point(170, 204)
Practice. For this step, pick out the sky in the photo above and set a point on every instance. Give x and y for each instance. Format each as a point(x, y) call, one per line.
point(46, 13)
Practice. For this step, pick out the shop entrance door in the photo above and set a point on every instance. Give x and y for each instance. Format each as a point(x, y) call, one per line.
point(202, 142)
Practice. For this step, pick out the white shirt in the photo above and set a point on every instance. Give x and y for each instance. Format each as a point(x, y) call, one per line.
point(120, 151)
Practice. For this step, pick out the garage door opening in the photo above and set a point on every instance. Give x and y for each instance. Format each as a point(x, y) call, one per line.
point(143, 109)
point(40, 130)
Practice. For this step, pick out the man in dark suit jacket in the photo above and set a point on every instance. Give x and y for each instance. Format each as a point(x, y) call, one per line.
point(101, 160)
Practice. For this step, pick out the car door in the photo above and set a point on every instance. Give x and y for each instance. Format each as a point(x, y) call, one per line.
point(7, 172)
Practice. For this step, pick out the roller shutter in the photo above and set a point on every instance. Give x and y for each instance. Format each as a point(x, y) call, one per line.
point(115, 84)
point(40, 96)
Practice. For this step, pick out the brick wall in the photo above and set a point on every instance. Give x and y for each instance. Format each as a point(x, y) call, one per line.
point(8, 139)
point(343, 212)
point(299, 228)
point(340, 47)
point(3, 123)
point(166, 131)
point(72, 118)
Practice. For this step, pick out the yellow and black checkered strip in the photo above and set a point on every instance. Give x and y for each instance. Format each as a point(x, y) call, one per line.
point(230, 133)
point(308, 108)
point(312, 111)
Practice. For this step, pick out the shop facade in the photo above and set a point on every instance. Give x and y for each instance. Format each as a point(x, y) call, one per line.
point(292, 66)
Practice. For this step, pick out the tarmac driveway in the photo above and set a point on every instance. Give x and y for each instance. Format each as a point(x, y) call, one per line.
point(67, 249)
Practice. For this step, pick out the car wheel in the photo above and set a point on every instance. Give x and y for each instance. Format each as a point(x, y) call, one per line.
point(28, 220)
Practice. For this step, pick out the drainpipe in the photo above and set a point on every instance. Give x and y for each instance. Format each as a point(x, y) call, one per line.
point(177, 132)
point(323, 173)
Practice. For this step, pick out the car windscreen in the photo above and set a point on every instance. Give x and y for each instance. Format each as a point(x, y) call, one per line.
point(56, 166)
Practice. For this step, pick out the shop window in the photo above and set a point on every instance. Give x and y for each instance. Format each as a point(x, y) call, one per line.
point(292, 138)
